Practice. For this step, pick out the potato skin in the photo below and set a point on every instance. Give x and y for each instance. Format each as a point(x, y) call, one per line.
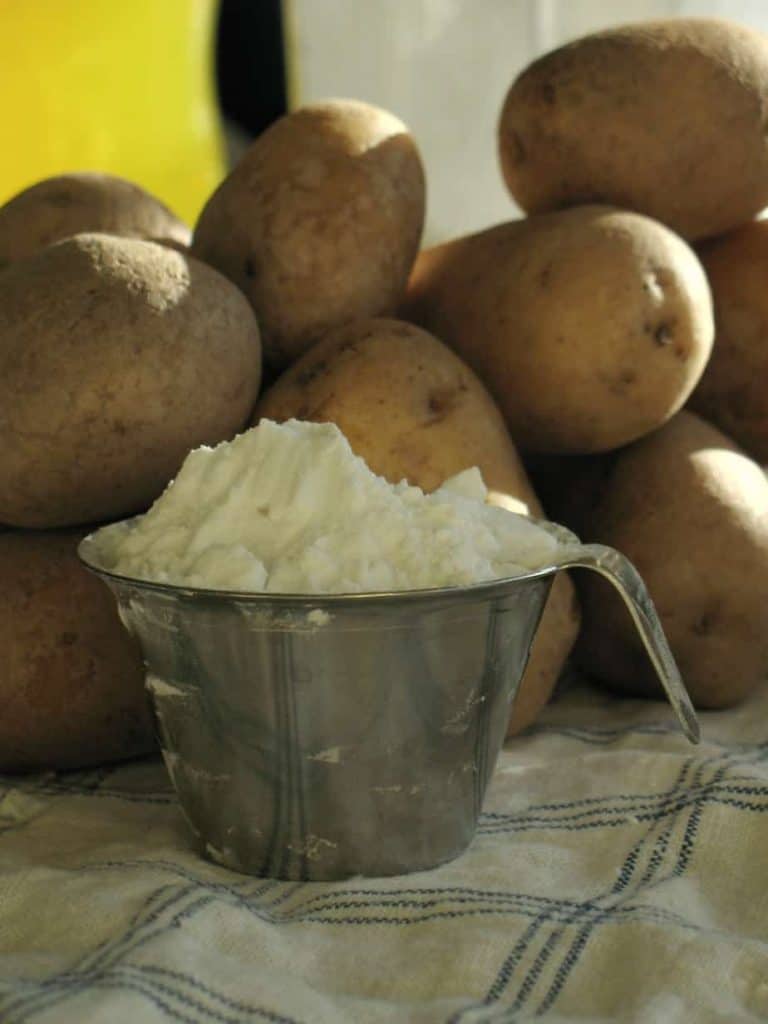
point(589, 326)
point(551, 648)
point(71, 678)
point(412, 409)
point(732, 393)
point(405, 403)
point(691, 511)
point(116, 357)
point(569, 486)
point(70, 204)
point(665, 117)
point(319, 223)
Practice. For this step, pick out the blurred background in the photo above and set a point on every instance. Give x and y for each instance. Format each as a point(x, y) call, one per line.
point(168, 92)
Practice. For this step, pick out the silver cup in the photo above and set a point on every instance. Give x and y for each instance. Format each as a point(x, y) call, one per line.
point(319, 737)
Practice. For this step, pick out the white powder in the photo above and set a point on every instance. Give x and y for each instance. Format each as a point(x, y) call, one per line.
point(290, 508)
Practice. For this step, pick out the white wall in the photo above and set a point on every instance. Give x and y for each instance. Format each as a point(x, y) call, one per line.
point(444, 67)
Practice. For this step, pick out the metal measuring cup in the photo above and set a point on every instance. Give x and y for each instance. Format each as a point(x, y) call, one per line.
point(324, 736)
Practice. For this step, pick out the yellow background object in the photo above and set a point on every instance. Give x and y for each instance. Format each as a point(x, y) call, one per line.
point(124, 86)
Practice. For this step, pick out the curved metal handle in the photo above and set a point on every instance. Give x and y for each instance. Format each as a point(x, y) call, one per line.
point(620, 572)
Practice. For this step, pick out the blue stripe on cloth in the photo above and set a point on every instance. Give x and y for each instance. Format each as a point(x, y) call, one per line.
point(49, 992)
point(178, 996)
point(521, 947)
point(152, 920)
point(713, 792)
point(661, 847)
point(608, 798)
point(556, 937)
point(648, 880)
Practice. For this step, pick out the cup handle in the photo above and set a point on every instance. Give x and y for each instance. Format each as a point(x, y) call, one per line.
point(620, 572)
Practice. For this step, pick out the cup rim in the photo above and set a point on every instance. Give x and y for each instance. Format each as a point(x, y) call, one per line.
point(483, 588)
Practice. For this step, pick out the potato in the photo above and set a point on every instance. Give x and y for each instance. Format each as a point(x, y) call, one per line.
point(691, 511)
point(665, 117)
point(570, 485)
point(71, 678)
point(413, 410)
point(116, 357)
point(405, 403)
point(590, 327)
point(732, 393)
point(71, 204)
point(551, 648)
point(319, 223)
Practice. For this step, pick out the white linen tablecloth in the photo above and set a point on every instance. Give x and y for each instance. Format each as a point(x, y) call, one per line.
point(618, 874)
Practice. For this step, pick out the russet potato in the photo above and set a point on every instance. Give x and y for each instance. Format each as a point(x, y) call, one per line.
point(71, 678)
point(116, 357)
point(590, 327)
point(690, 509)
point(70, 204)
point(732, 394)
point(665, 117)
point(319, 223)
point(413, 410)
point(569, 486)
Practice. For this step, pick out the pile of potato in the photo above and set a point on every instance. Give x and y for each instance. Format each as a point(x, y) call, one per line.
point(574, 336)
point(117, 354)
point(593, 322)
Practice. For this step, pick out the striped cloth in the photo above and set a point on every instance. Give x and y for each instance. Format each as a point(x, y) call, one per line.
point(618, 875)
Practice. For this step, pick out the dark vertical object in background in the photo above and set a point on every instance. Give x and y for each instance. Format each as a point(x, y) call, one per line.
point(250, 63)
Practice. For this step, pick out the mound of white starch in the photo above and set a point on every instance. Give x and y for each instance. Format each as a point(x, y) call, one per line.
point(289, 508)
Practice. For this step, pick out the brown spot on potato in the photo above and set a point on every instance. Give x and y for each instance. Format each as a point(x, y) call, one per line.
point(662, 333)
point(440, 403)
point(548, 94)
point(621, 384)
point(311, 373)
point(319, 412)
point(249, 267)
point(353, 345)
point(518, 149)
point(705, 623)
